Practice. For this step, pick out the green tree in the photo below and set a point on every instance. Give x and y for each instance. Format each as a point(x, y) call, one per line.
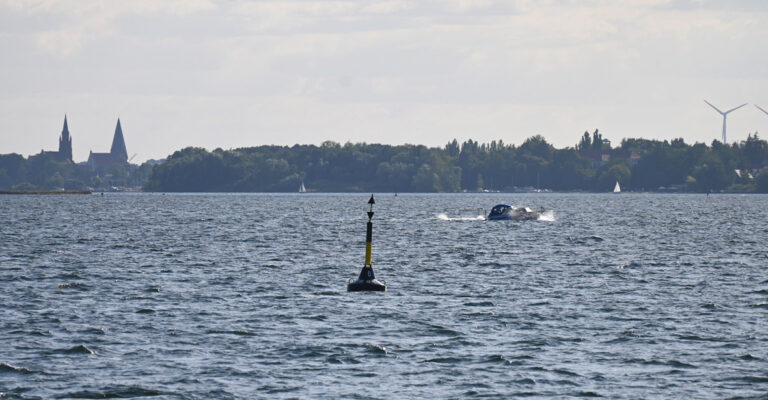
point(712, 175)
point(616, 172)
point(762, 181)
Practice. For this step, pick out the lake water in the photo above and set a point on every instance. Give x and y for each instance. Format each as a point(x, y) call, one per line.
point(202, 296)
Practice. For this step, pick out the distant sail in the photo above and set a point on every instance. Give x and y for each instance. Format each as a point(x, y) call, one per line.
point(617, 188)
point(302, 189)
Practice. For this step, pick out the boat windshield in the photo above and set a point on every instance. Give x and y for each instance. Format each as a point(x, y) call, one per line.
point(499, 209)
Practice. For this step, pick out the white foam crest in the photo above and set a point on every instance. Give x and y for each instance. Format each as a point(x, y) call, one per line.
point(444, 217)
point(548, 215)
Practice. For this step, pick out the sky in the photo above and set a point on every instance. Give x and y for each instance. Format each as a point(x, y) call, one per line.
point(229, 74)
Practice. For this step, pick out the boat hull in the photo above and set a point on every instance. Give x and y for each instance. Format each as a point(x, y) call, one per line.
point(516, 217)
point(503, 212)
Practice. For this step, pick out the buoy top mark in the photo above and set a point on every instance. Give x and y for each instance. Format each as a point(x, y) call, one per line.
point(371, 202)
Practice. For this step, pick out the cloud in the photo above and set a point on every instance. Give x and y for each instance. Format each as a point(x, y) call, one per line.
point(80, 22)
point(437, 68)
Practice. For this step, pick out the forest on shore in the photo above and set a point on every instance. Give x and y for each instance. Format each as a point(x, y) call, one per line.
point(591, 165)
point(45, 172)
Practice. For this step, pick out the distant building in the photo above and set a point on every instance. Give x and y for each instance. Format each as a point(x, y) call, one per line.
point(65, 146)
point(117, 154)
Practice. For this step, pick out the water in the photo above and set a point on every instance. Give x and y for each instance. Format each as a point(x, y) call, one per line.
point(243, 296)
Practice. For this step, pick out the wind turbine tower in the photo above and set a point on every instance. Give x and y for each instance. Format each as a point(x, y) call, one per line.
point(725, 114)
point(761, 109)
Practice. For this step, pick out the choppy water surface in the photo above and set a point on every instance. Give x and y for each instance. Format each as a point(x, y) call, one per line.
point(243, 296)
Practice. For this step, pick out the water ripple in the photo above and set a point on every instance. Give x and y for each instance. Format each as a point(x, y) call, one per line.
point(243, 296)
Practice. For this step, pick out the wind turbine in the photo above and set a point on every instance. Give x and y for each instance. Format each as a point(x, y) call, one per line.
point(724, 114)
point(760, 108)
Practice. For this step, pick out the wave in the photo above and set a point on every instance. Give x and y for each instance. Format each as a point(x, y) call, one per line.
point(4, 367)
point(79, 349)
point(548, 216)
point(376, 348)
point(443, 360)
point(30, 332)
point(480, 304)
point(444, 217)
point(73, 285)
point(238, 332)
point(115, 392)
point(631, 265)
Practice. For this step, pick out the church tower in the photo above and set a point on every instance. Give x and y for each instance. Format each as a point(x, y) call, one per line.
point(65, 143)
point(118, 150)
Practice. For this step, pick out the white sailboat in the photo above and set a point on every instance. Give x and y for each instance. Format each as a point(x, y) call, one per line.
point(302, 189)
point(617, 188)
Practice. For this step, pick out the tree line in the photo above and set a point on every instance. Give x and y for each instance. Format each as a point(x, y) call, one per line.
point(45, 172)
point(591, 165)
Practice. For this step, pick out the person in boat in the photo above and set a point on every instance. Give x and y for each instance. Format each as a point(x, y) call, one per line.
point(499, 211)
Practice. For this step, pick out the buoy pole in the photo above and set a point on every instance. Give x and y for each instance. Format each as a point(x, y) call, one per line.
point(369, 235)
point(367, 280)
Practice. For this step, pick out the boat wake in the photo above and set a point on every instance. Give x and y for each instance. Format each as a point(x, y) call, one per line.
point(444, 217)
point(548, 216)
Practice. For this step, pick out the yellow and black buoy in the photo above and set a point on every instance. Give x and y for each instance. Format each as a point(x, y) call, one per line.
point(367, 282)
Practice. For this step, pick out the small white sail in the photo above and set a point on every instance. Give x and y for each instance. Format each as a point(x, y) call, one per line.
point(617, 188)
point(302, 189)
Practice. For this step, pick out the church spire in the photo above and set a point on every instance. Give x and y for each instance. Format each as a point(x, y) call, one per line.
point(65, 142)
point(118, 149)
point(65, 131)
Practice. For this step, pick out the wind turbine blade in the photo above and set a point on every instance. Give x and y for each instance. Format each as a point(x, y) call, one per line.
point(716, 109)
point(736, 108)
point(760, 108)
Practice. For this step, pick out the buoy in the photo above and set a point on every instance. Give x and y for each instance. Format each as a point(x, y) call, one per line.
point(367, 281)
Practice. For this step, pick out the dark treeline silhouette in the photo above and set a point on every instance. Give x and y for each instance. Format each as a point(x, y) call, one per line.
point(45, 172)
point(591, 165)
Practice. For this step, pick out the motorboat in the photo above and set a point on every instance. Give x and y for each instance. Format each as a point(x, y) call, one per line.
point(507, 212)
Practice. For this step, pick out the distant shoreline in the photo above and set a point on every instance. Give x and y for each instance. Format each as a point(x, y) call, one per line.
point(45, 192)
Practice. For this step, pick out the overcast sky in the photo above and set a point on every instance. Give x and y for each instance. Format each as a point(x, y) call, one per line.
point(244, 73)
